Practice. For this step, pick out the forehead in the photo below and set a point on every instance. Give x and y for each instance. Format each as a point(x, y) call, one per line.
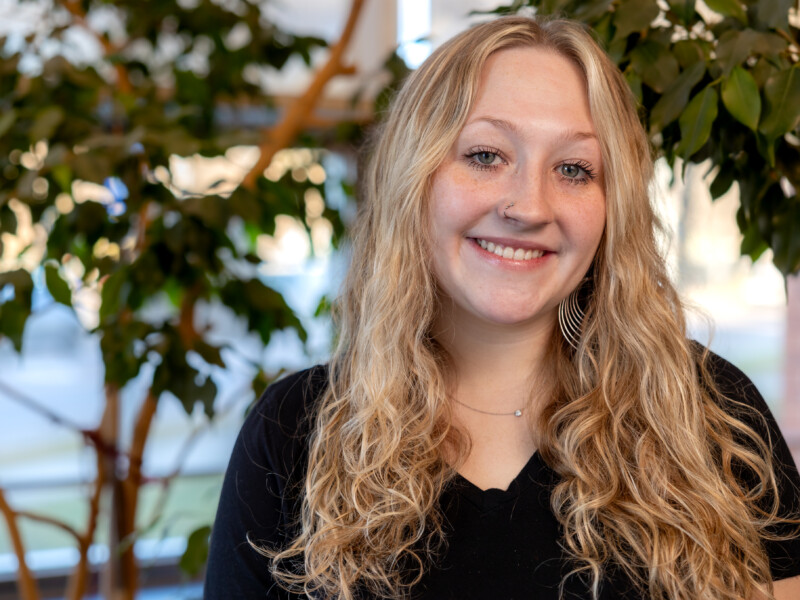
point(532, 87)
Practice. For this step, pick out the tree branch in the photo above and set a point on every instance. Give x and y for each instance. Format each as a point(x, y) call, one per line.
point(79, 17)
point(39, 408)
point(130, 487)
point(50, 521)
point(282, 134)
point(141, 430)
point(167, 481)
point(793, 43)
point(28, 589)
point(186, 329)
point(76, 588)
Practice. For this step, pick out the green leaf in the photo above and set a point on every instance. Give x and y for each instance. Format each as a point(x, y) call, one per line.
point(8, 220)
point(210, 354)
point(656, 65)
point(14, 313)
point(57, 287)
point(324, 307)
point(774, 13)
point(782, 108)
point(634, 15)
point(62, 175)
point(177, 376)
point(587, 12)
point(766, 148)
point(762, 71)
point(683, 8)
point(696, 122)
point(13, 316)
point(728, 8)
point(674, 100)
point(196, 554)
point(635, 83)
point(753, 243)
point(723, 181)
point(19, 278)
point(735, 46)
point(7, 120)
point(111, 294)
point(785, 242)
point(688, 52)
point(45, 124)
point(120, 346)
point(741, 98)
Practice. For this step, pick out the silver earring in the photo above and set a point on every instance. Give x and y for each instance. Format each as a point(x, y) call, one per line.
point(506, 208)
point(570, 318)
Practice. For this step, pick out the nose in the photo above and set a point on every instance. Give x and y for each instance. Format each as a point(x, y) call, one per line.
point(527, 201)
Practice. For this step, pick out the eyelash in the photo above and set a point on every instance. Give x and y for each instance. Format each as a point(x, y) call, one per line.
point(473, 162)
point(584, 166)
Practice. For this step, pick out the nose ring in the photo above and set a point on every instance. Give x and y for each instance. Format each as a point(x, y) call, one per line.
point(506, 208)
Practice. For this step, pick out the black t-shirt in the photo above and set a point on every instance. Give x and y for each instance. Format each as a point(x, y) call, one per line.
point(501, 544)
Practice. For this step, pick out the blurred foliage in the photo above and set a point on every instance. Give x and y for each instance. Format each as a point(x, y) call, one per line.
point(163, 79)
point(99, 102)
point(718, 81)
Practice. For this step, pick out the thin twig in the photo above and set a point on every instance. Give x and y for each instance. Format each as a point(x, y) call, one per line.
point(50, 521)
point(284, 132)
point(28, 589)
point(787, 37)
point(40, 408)
point(167, 480)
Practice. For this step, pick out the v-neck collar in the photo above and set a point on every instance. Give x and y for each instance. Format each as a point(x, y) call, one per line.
point(491, 498)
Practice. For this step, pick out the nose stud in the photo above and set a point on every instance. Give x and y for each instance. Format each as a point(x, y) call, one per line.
point(505, 209)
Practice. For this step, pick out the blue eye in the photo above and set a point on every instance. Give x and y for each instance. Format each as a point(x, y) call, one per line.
point(570, 171)
point(485, 158)
point(579, 172)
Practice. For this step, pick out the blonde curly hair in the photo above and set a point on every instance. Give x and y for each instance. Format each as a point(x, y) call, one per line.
point(646, 455)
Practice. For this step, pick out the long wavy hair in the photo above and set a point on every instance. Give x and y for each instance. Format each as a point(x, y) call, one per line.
point(635, 429)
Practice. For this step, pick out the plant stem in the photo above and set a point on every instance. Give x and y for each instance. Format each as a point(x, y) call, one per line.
point(28, 589)
point(281, 135)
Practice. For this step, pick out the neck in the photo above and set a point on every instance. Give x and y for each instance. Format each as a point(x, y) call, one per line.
point(494, 364)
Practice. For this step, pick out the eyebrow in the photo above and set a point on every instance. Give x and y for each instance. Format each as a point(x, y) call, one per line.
point(566, 136)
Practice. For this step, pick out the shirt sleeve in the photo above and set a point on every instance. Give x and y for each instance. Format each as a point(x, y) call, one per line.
point(784, 555)
point(256, 508)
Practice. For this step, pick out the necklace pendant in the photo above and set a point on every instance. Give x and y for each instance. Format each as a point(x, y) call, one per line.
point(517, 413)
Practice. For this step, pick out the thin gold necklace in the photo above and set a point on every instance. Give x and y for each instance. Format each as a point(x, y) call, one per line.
point(516, 413)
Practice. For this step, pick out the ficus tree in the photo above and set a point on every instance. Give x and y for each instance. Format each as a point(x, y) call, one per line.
point(719, 84)
point(89, 205)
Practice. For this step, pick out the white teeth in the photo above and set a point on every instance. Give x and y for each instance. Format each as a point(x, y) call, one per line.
point(508, 252)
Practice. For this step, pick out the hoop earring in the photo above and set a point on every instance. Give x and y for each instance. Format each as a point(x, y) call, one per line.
point(570, 317)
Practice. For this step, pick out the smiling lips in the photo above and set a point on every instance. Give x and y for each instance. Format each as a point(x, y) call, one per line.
point(508, 251)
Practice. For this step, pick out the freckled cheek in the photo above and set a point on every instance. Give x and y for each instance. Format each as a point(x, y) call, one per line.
point(451, 203)
point(587, 222)
point(459, 197)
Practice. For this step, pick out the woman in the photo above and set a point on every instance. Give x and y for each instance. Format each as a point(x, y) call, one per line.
point(513, 410)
